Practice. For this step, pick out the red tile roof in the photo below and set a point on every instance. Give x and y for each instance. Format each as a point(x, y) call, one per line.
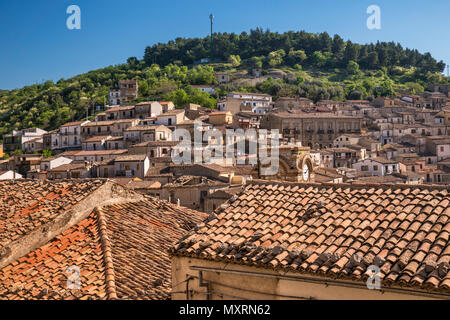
point(141, 234)
point(43, 273)
point(121, 248)
point(75, 123)
point(26, 205)
point(335, 231)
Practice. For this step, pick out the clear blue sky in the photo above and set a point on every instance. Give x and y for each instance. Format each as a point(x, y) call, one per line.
point(37, 46)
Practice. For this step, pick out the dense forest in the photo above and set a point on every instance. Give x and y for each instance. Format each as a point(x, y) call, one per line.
point(322, 67)
point(310, 48)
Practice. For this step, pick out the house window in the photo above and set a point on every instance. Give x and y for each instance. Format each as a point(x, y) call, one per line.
point(375, 168)
point(364, 168)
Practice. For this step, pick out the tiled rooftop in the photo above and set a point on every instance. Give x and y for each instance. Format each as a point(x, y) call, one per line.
point(333, 230)
point(26, 205)
point(141, 234)
point(43, 273)
point(120, 248)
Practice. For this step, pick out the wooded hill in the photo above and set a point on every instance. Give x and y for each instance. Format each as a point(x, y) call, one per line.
point(320, 67)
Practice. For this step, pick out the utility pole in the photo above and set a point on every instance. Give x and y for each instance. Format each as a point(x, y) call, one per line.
point(211, 17)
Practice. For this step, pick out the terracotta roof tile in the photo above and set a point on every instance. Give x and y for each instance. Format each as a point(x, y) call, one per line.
point(328, 225)
point(44, 273)
point(121, 249)
point(25, 205)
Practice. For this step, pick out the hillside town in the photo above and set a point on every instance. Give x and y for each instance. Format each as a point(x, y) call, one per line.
point(402, 140)
point(105, 195)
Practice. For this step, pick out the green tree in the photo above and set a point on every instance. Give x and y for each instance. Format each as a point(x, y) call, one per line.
point(143, 88)
point(318, 59)
point(351, 52)
point(295, 57)
point(275, 58)
point(387, 88)
point(46, 153)
point(353, 67)
point(235, 60)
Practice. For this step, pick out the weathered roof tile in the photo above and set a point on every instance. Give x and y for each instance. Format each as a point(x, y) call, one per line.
point(402, 229)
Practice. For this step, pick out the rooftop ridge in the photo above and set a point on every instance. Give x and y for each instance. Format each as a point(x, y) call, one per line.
point(107, 254)
point(351, 185)
point(336, 230)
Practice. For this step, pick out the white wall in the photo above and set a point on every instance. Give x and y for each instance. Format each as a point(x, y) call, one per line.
point(8, 175)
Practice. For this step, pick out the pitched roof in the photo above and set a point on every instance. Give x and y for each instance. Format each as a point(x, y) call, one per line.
point(158, 143)
point(171, 113)
point(69, 167)
point(96, 139)
point(108, 122)
point(333, 230)
point(75, 123)
point(382, 160)
point(26, 205)
point(304, 115)
point(146, 127)
point(97, 152)
point(120, 247)
point(140, 235)
point(131, 157)
point(43, 273)
point(120, 108)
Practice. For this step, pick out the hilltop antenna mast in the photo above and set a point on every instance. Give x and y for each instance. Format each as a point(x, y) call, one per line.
point(211, 17)
point(448, 70)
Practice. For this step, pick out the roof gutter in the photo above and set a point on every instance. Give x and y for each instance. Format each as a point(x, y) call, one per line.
point(326, 282)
